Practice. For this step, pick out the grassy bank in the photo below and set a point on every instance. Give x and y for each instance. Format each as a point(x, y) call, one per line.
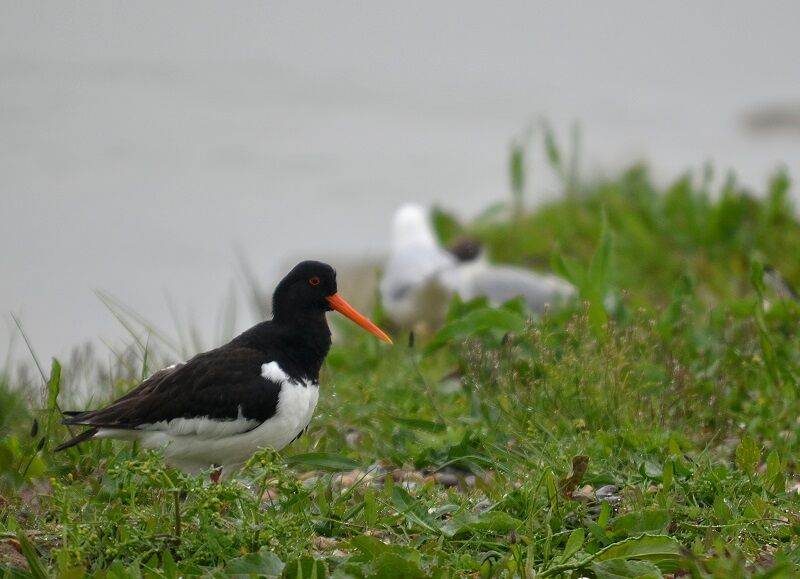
point(648, 428)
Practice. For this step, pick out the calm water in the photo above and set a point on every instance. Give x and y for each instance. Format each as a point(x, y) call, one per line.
point(143, 145)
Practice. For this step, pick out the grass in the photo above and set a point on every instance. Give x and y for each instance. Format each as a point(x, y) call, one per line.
point(670, 385)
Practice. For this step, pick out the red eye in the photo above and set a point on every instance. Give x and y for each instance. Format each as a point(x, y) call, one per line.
point(314, 280)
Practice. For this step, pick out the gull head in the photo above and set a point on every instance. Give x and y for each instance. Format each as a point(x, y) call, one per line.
point(411, 227)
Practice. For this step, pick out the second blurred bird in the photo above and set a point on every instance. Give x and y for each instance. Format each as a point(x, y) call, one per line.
point(421, 277)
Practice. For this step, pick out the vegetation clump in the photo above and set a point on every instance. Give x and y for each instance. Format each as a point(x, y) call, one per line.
point(649, 428)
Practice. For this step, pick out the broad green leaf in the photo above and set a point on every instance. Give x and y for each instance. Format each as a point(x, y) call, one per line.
point(446, 226)
point(477, 322)
point(492, 522)
point(168, 566)
point(305, 568)
point(574, 543)
point(410, 508)
point(568, 268)
point(369, 546)
point(721, 510)
point(15, 573)
point(598, 532)
point(641, 522)
point(459, 308)
point(782, 570)
point(494, 213)
point(552, 150)
point(747, 455)
point(682, 293)
point(36, 468)
point(53, 385)
point(659, 549)
point(262, 562)
point(774, 474)
point(370, 508)
point(402, 500)
point(649, 547)
point(666, 475)
point(601, 260)
point(517, 171)
point(323, 461)
point(605, 514)
point(73, 573)
point(6, 456)
point(596, 281)
point(765, 339)
point(552, 490)
point(757, 278)
point(779, 186)
point(427, 425)
point(35, 564)
point(620, 569)
point(397, 567)
point(117, 570)
point(516, 305)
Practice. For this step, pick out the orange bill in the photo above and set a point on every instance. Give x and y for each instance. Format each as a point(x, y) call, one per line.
point(339, 304)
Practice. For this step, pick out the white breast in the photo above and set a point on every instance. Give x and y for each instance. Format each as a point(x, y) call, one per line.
point(296, 405)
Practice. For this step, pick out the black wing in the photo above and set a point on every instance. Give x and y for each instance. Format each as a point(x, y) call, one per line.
point(222, 384)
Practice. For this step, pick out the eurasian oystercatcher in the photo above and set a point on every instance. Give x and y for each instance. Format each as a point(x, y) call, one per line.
point(421, 277)
point(258, 390)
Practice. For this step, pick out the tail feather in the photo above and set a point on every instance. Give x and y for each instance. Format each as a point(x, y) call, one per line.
point(83, 436)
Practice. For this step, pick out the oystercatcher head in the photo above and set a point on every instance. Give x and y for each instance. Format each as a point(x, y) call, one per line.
point(258, 390)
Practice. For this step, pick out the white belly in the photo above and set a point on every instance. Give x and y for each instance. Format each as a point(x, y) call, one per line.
point(193, 452)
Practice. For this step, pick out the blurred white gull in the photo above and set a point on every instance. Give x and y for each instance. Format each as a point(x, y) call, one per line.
point(475, 277)
point(412, 293)
point(421, 277)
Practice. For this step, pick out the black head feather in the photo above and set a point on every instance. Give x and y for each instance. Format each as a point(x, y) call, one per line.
point(303, 291)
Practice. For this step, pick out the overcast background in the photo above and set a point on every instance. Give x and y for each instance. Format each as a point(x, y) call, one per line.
point(142, 143)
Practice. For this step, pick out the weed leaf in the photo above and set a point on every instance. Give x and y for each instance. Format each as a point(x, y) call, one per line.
point(492, 522)
point(648, 547)
point(323, 461)
point(574, 544)
point(37, 568)
point(418, 424)
point(481, 321)
point(369, 546)
point(393, 565)
point(262, 562)
point(53, 385)
point(747, 455)
point(619, 569)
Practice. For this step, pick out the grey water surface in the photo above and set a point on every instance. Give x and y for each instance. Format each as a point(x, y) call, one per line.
point(144, 145)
